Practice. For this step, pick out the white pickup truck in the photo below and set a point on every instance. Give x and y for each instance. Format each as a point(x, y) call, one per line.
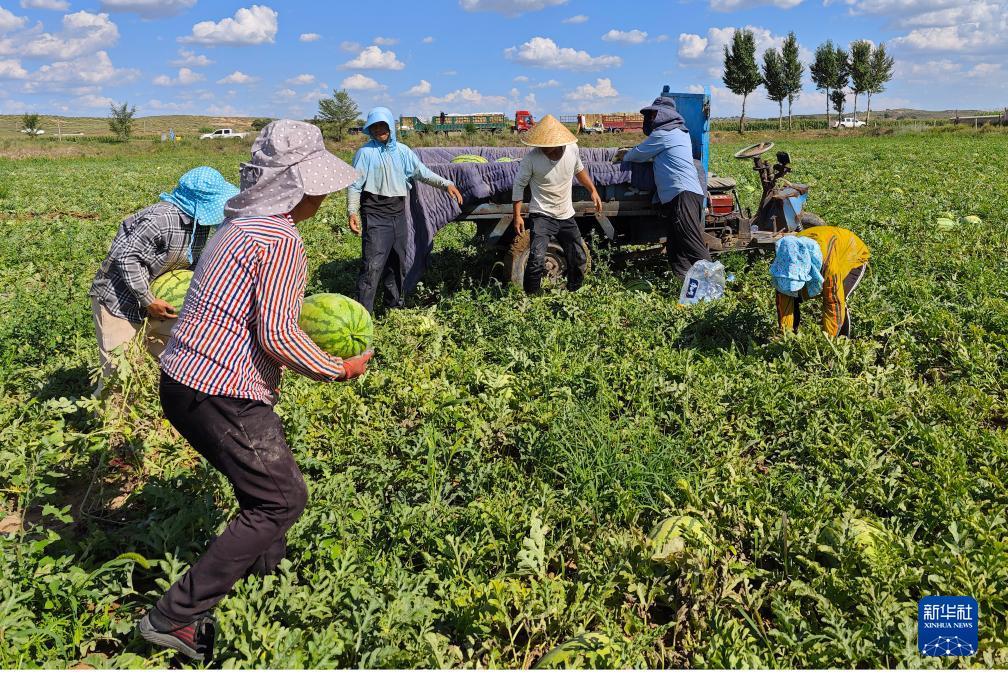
point(222, 133)
point(848, 123)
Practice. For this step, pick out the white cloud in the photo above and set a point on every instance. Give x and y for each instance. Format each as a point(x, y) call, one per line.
point(661, 38)
point(189, 58)
point(733, 5)
point(148, 8)
point(381, 40)
point(9, 21)
point(57, 5)
point(422, 88)
point(350, 46)
point(467, 96)
point(302, 80)
point(600, 90)
point(543, 52)
point(238, 77)
point(520, 79)
point(576, 19)
point(249, 26)
point(509, 8)
point(373, 57)
point(83, 34)
point(286, 94)
point(552, 83)
point(633, 36)
point(185, 77)
point(359, 82)
point(97, 69)
point(427, 40)
point(691, 46)
point(309, 37)
point(94, 101)
point(12, 69)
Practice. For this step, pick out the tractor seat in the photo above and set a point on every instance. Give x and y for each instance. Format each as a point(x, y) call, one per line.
point(720, 184)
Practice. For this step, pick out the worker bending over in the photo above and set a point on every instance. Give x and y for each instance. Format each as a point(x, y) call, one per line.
point(822, 261)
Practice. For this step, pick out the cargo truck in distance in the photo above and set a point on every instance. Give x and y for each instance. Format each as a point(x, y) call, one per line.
point(447, 123)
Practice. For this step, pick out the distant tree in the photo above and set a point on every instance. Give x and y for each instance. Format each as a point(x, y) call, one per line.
point(741, 74)
point(337, 113)
point(121, 121)
point(860, 69)
point(260, 124)
point(839, 99)
point(881, 73)
point(30, 124)
point(843, 71)
point(793, 69)
point(773, 81)
point(824, 72)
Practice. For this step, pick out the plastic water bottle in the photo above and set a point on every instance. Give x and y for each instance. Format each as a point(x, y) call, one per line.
point(705, 280)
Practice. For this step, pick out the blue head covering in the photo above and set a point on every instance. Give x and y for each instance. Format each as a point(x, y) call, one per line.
point(798, 265)
point(201, 193)
point(381, 114)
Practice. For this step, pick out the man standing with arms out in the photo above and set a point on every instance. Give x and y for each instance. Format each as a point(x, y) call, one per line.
point(681, 196)
point(386, 169)
point(222, 368)
point(551, 169)
point(167, 235)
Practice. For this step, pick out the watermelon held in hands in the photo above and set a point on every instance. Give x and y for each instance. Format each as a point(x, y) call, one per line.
point(172, 287)
point(337, 324)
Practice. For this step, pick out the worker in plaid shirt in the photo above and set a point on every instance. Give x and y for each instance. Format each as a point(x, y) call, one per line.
point(168, 235)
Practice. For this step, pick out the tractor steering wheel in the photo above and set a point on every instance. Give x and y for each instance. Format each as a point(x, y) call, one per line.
point(754, 150)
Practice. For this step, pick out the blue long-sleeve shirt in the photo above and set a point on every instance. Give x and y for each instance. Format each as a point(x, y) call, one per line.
point(387, 170)
point(672, 152)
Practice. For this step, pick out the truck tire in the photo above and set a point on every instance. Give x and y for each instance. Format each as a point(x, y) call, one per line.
point(517, 254)
point(808, 220)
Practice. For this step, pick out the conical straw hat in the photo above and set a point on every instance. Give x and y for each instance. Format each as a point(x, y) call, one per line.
point(549, 133)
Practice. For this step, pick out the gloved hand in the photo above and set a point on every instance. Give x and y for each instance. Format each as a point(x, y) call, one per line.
point(357, 365)
point(619, 155)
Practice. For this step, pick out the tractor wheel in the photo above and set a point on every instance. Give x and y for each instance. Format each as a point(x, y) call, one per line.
point(517, 255)
point(808, 220)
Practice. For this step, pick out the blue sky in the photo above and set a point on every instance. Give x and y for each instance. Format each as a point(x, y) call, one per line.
point(549, 56)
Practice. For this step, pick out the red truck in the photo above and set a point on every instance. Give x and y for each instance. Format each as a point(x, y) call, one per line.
point(523, 121)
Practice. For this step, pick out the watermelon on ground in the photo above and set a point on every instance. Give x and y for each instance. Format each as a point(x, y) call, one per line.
point(337, 324)
point(475, 159)
point(587, 650)
point(671, 539)
point(172, 287)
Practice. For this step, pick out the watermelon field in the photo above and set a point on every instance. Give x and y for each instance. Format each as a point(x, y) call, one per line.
point(487, 493)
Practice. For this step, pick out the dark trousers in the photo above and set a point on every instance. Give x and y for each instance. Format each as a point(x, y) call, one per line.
point(685, 245)
point(565, 232)
point(383, 258)
point(244, 441)
point(850, 284)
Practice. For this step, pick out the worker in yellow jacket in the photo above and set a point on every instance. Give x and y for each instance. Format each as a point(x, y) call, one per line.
point(824, 260)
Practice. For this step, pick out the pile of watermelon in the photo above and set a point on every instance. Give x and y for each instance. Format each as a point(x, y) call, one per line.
point(337, 324)
point(472, 159)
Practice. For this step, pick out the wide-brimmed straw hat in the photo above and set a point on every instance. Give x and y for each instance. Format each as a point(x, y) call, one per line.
point(549, 133)
point(289, 161)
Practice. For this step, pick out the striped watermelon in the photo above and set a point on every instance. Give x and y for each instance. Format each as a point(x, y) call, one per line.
point(339, 325)
point(172, 287)
point(475, 159)
point(505, 159)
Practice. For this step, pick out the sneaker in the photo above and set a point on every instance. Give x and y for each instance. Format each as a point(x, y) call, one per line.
point(194, 640)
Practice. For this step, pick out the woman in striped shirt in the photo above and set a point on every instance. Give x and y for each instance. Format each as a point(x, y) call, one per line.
point(221, 371)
